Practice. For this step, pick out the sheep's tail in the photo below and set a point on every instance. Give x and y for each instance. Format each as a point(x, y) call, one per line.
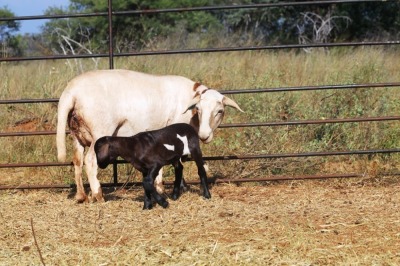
point(65, 105)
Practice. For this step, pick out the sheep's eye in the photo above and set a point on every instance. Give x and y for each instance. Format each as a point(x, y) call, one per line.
point(220, 112)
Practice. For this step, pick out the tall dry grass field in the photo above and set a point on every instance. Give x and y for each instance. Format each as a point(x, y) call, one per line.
point(293, 223)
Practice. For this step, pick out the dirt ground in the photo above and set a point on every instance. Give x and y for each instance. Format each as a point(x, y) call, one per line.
point(334, 222)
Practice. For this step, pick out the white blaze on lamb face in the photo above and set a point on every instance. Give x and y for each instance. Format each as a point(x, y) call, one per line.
point(169, 147)
point(185, 144)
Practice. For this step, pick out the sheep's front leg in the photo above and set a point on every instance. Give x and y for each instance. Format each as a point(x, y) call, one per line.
point(91, 170)
point(148, 185)
point(178, 180)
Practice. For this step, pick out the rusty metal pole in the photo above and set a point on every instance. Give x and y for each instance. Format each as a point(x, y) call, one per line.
point(110, 36)
point(111, 64)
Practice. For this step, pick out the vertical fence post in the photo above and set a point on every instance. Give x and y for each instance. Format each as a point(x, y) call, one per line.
point(110, 36)
point(111, 64)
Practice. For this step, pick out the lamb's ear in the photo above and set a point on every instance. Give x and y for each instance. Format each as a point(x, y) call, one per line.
point(229, 102)
point(193, 103)
point(102, 148)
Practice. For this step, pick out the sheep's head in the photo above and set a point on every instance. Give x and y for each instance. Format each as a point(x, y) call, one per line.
point(210, 108)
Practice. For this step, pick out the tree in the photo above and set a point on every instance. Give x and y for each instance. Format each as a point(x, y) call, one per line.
point(373, 20)
point(131, 32)
point(10, 45)
point(250, 26)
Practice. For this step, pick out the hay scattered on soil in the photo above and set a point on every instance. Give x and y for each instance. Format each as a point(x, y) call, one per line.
point(300, 223)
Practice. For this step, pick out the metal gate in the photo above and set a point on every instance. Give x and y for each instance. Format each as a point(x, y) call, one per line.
point(112, 54)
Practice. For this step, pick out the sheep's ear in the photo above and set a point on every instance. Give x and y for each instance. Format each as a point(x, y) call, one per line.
point(229, 102)
point(193, 103)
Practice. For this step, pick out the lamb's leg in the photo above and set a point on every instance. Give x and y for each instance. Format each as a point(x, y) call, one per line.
point(78, 165)
point(178, 180)
point(184, 186)
point(203, 180)
point(197, 157)
point(148, 185)
point(148, 205)
point(91, 171)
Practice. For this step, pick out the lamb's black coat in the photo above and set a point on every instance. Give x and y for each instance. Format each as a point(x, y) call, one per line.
point(147, 152)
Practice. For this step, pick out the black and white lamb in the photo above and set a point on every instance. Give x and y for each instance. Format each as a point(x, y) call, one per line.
point(149, 151)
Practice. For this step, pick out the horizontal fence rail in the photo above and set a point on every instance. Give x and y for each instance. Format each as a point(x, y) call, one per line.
point(204, 50)
point(245, 91)
point(190, 9)
point(235, 157)
point(215, 181)
point(210, 180)
point(111, 54)
point(232, 125)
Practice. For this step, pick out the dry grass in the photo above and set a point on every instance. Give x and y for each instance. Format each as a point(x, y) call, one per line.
point(289, 223)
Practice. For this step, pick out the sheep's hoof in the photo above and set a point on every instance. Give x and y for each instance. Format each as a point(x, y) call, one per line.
point(81, 198)
point(98, 197)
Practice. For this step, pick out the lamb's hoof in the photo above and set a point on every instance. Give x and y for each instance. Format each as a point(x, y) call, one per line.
point(207, 195)
point(185, 188)
point(147, 206)
point(175, 196)
point(164, 204)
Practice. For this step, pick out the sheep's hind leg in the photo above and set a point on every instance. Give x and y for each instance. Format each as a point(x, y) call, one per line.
point(91, 170)
point(158, 183)
point(80, 195)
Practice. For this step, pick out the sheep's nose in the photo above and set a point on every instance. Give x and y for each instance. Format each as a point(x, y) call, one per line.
point(206, 140)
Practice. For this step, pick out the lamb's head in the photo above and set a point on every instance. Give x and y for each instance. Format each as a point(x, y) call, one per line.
point(104, 152)
point(210, 107)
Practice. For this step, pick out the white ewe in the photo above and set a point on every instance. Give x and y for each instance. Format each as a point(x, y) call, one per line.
point(123, 103)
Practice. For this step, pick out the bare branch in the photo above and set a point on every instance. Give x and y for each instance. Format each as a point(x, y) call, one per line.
point(321, 27)
point(36, 243)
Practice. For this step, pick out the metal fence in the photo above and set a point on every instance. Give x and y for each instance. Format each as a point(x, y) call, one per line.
point(111, 54)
